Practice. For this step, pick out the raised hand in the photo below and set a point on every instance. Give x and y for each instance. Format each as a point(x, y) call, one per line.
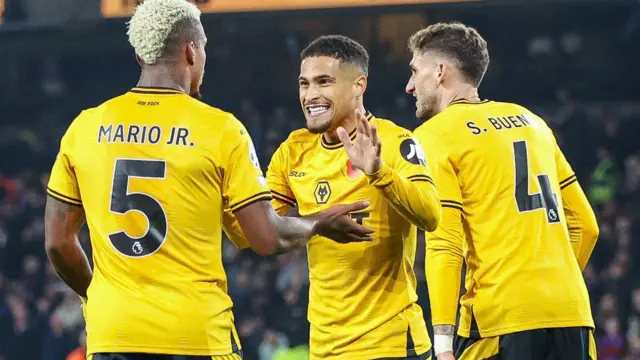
point(365, 152)
point(336, 224)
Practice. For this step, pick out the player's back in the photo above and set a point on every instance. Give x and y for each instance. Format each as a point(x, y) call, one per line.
point(149, 168)
point(521, 270)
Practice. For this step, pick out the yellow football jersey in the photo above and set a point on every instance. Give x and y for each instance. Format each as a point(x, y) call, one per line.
point(362, 300)
point(499, 173)
point(153, 169)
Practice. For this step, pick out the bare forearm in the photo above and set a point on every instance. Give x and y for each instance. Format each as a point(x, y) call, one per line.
point(293, 233)
point(62, 224)
point(72, 266)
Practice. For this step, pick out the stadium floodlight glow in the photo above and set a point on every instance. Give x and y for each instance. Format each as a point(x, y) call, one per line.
point(124, 8)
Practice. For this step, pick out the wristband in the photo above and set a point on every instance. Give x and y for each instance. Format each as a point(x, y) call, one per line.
point(442, 344)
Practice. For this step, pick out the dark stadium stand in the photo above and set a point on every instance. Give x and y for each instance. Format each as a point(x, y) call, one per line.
point(579, 72)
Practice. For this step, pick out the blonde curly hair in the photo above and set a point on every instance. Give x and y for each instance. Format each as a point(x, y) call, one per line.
point(152, 23)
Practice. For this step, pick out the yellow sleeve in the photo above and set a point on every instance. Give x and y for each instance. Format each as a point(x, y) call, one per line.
point(63, 184)
point(283, 198)
point(405, 181)
point(243, 183)
point(444, 255)
point(581, 220)
point(278, 181)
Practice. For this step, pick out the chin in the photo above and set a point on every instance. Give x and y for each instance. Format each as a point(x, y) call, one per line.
point(425, 114)
point(316, 128)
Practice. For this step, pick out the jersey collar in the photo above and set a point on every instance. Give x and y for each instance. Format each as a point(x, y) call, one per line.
point(155, 90)
point(338, 145)
point(468, 102)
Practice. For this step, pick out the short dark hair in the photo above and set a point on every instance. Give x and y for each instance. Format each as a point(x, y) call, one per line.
point(457, 41)
point(182, 32)
point(342, 48)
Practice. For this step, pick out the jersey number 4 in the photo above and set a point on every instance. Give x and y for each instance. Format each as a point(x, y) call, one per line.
point(123, 201)
point(545, 199)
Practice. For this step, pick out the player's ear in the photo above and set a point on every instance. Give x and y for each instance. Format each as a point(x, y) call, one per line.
point(441, 71)
point(139, 60)
point(360, 85)
point(190, 53)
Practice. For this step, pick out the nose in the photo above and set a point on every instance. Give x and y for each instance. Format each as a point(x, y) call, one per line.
point(410, 87)
point(311, 94)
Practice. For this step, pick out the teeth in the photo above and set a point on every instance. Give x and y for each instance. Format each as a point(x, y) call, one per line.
point(318, 110)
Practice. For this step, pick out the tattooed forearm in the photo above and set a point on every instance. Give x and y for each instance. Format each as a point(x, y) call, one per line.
point(444, 330)
point(62, 224)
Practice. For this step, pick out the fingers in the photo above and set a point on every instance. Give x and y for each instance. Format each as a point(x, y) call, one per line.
point(360, 230)
point(362, 124)
point(353, 207)
point(354, 232)
point(350, 238)
point(375, 140)
point(343, 135)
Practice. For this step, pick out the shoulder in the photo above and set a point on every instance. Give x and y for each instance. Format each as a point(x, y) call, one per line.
point(298, 141)
point(301, 136)
point(387, 129)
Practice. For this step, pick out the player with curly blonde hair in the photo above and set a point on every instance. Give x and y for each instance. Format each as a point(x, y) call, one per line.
point(151, 171)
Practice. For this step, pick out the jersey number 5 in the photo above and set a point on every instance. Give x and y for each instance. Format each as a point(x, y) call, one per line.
point(123, 201)
point(545, 199)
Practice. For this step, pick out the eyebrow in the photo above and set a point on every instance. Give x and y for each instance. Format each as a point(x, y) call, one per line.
point(318, 78)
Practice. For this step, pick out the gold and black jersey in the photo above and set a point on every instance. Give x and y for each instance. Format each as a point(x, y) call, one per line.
point(499, 173)
point(153, 170)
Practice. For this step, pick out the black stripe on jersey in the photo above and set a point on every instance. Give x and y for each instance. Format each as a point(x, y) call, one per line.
point(468, 102)
point(411, 347)
point(422, 178)
point(262, 196)
point(368, 115)
point(63, 198)
point(154, 90)
point(570, 180)
point(451, 202)
point(283, 198)
point(569, 183)
point(331, 146)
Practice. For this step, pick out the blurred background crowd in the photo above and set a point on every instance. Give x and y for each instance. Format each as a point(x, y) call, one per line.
point(572, 62)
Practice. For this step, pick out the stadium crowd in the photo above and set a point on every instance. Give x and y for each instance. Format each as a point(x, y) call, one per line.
point(40, 318)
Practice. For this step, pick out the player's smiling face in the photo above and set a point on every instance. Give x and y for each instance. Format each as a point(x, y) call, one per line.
point(424, 85)
point(326, 93)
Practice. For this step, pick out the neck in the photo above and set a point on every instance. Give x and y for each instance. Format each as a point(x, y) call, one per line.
point(463, 91)
point(348, 123)
point(161, 76)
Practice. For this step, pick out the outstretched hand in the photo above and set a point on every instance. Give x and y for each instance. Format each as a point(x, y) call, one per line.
point(336, 224)
point(365, 152)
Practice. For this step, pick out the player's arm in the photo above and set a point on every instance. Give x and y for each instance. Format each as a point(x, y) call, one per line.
point(406, 185)
point(581, 220)
point(64, 216)
point(250, 202)
point(283, 200)
point(444, 255)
